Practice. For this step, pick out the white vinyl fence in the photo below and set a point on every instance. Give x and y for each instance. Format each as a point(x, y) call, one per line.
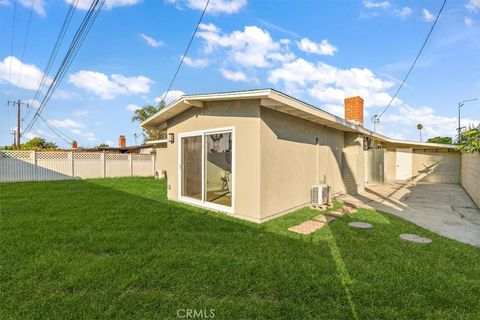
point(59, 165)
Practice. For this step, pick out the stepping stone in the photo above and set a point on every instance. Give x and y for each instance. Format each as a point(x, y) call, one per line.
point(330, 218)
point(360, 225)
point(348, 209)
point(415, 238)
point(307, 227)
point(321, 218)
point(336, 214)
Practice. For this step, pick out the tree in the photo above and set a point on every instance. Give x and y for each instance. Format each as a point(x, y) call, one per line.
point(470, 141)
point(38, 143)
point(420, 127)
point(143, 114)
point(102, 145)
point(443, 140)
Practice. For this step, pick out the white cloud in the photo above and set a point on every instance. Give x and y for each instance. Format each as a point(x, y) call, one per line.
point(38, 6)
point(376, 5)
point(214, 7)
point(330, 84)
point(132, 107)
point(473, 5)
point(195, 63)
point(468, 21)
point(170, 97)
point(66, 123)
point(30, 75)
point(152, 42)
point(109, 87)
point(234, 75)
point(404, 13)
point(109, 4)
point(252, 47)
point(427, 15)
point(405, 118)
point(321, 48)
point(80, 113)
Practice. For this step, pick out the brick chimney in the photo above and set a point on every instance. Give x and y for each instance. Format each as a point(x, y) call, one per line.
point(74, 144)
point(354, 110)
point(122, 141)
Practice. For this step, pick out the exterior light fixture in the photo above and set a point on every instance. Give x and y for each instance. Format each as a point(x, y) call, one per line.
point(171, 137)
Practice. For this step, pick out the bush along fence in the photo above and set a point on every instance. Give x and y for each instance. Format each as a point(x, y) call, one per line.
point(60, 165)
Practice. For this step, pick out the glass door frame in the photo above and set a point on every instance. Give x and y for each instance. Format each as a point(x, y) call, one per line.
point(203, 202)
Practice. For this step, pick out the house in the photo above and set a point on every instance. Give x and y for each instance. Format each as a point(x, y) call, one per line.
point(256, 154)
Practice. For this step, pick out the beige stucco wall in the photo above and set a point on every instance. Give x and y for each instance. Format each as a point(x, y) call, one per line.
point(353, 168)
point(292, 161)
point(390, 165)
point(470, 175)
point(437, 166)
point(161, 158)
point(244, 115)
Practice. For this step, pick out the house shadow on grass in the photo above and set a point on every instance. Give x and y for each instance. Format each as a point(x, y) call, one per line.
point(117, 248)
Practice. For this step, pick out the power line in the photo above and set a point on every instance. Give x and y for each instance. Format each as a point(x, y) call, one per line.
point(26, 40)
point(75, 45)
point(53, 54)
point(186, 50)
point(56, 131)
point(414, 61)
point(11, 44)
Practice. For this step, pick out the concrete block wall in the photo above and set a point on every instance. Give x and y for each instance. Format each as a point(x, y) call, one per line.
point(443, 167)
point(470, 175)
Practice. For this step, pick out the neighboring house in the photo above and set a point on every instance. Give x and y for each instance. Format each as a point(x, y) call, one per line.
point(256, 154)
point(122, 148)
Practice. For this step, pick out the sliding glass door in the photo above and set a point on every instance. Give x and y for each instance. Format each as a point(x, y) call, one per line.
point(206, 167)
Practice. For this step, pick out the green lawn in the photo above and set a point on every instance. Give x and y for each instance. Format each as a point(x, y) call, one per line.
point(116, 248)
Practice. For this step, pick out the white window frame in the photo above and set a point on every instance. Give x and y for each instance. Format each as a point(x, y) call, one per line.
point(203, 202)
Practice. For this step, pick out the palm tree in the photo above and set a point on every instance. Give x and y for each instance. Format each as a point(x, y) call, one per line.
point(420, 127)
point(143, 114)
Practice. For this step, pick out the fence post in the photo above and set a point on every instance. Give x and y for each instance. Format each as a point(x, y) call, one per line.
point(33, 154)
point(104, 164)
point(130, 162)
point(72, 163)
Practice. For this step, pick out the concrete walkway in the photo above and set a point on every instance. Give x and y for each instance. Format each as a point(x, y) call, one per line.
point(442, 208)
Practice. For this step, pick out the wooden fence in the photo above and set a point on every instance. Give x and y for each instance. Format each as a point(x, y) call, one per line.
point(59, 165)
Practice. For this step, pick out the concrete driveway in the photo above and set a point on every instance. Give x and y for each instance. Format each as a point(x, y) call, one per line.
point(442, 208)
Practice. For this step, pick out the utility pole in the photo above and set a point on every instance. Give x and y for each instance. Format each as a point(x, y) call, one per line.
point(18, 103)
point(13, 132)
point(135, 135)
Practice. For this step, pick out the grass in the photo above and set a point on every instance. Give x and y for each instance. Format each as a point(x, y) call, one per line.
point(116, 248)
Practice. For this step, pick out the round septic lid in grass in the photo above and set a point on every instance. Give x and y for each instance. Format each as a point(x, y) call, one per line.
point(360, 225)
point(415, 238)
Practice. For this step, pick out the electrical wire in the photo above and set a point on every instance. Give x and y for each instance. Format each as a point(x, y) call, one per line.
point(26, 40)
point(75, 45)
point(11, 44)
point(65, 138)
point(414, 61)
point(53, 54)
point(186, 50)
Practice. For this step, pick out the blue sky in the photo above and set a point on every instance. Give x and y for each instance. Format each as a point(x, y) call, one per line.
point(317, 51)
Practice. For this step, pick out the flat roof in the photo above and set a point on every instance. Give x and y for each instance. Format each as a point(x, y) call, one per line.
point(276, 100)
